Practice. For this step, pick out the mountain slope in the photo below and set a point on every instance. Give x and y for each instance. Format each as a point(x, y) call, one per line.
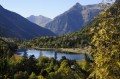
point(74, 19)
point(82, 38)
point(15, 26)
point(39, 20)
point(106, 44)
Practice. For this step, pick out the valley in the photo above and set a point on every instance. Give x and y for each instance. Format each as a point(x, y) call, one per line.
point(81, 43)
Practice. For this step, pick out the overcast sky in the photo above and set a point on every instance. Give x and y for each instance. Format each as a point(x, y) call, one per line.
point(48, 8)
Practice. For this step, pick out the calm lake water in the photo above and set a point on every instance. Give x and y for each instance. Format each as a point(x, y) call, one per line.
point(54, 54)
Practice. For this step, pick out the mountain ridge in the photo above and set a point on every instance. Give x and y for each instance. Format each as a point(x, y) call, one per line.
point(39, 20)
point(15, 26)
point(73, 19)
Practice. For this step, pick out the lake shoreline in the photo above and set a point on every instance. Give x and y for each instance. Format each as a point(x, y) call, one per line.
point(69, 50)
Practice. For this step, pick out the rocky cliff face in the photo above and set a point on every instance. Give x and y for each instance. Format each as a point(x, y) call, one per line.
point(74, 19)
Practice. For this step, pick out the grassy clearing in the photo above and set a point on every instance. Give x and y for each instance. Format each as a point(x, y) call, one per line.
point(72, 50)
point(76, 50)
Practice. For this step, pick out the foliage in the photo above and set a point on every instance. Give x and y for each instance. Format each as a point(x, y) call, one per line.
point(32, 76)
point(7, 49)
point(72, 40)
point(50, 69)
point(106, 44)
point(21, 75)
point(41, 68)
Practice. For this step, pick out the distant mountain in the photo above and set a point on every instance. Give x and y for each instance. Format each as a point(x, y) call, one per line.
point(15, 26)
point(39, 20)
point(74, 19)
point(84, 36)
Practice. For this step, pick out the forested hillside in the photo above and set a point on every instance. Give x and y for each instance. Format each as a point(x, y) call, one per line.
point(102, 34)
point(106, 44)
point(72, 40)
point(16, 67)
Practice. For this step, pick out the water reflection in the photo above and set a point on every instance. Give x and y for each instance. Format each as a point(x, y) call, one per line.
point(54, 54)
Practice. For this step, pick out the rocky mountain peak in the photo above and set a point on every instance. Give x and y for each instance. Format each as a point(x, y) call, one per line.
point(73, 19)
point(1, 7)
point(77, 5)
